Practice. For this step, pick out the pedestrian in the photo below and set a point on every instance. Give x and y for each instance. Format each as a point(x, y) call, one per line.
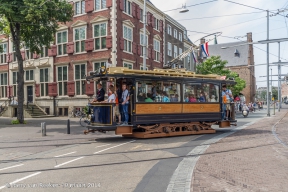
point(125, 103)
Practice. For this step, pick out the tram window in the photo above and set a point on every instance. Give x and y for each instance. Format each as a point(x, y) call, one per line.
point(201, 92)
point(157, 91)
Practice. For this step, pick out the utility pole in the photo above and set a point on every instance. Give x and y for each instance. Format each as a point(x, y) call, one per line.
point(279, 78)
point(268, 102)
point(145, 43)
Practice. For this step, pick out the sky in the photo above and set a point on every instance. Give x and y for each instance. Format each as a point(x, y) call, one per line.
point(248, 20)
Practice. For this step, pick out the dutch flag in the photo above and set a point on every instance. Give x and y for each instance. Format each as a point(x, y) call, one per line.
point(205, 49)
point(194, 56)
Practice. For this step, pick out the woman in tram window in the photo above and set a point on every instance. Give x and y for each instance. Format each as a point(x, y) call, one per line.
point(149, 98)
point(192, 98)
point(213, 99)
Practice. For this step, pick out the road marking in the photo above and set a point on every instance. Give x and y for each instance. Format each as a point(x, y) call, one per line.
point(68, 162)
point(113, 147)
point(11, 167)
point(66, 154)
point(8, 185)
point(102, 146)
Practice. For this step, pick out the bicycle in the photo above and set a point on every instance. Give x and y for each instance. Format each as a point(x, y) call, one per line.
point(85, 120)
point(77, 114)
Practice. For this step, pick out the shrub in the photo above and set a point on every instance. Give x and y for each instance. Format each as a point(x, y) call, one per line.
point(15, 122)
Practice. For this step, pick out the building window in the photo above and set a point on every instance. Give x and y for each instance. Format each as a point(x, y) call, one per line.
point(100, 33)
point(28, 53)
point(44, 52)
point(80, 37)
point(169, 49)
point(127, 7)
point(14, 82)
point(157, 50)
point(180, 37)
point(44, 79)
point(141, 15)
point(142, 68)
point(62, 42)
point(175, 51)
point(80, 71)
point(175, 34)
point(128, 65)
point(98, 65)
point(156, 21)
point(62, 78)
point(128, 38)
point(80, 7)
point(180, 51)
point(3, 84)
point(3, 53)
point(169, 30)
point(29, 75)
point(100, 4)
point(143, 44)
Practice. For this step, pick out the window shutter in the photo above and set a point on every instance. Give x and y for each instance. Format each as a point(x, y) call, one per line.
point(89, 45)
point(109, 42)
point(161, 57)
point(139, 49)
point(70, 88)
point(35, 56)
point(153, 21)
point(89, 6)
point(70, 48)
point(52, 51)
point(9, 57)
point(153, 54)
point(149, 53)
point(138, 12)
point(10, 91)
point(52, 89)
point(161, 26)
point(108, 3)
point(121, 5)
point(90, 89)
point(23, 55)
point(134, 8)
point(37, 90)
point(134, 48)
point(121, 43)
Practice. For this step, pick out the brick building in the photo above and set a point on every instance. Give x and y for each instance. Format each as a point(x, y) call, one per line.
point(284, 89)
point(240, 60)
point(109, 31)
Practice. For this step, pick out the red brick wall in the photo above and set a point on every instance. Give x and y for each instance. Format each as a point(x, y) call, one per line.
point(284, 89)
point(136, 38)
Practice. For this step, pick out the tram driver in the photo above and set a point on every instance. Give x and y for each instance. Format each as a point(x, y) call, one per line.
point(100, 93)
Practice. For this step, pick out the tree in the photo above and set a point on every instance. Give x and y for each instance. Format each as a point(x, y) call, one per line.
point(214, 65)
point(31, 23)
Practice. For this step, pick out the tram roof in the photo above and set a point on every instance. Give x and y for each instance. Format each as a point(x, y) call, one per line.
point(168, 73)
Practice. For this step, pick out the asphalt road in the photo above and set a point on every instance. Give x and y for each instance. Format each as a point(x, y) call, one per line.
point(101, 163)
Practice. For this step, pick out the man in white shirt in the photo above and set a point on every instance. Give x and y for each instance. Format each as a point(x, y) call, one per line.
point(125, 103)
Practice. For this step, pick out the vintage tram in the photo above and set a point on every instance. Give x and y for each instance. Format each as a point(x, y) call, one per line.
point(192, 104)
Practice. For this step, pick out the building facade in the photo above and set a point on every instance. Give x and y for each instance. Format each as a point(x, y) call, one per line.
point(240, 60)
point(100, 32)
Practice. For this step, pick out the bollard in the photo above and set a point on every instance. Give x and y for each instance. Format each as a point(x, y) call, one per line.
point(43, 127)
point(68, 126)
point(274, 109)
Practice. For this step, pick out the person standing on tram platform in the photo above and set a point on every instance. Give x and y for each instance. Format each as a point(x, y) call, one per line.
point(100, 94)
point(125, 102)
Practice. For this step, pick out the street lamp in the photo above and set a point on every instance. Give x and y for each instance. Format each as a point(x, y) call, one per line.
point(184, 9)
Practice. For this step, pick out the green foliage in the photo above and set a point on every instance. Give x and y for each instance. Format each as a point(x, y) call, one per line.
point(214, 65)
point(16, 122)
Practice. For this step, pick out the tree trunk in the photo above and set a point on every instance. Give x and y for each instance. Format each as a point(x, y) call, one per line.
point(15, 31)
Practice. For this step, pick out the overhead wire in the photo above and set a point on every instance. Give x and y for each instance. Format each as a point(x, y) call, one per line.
point(192, 5)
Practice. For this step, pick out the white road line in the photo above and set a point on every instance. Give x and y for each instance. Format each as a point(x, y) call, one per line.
point(11, 167)
point(68, 162)
point(114, 147)
point(8, 185)
point(102, 146)
point(65, 154)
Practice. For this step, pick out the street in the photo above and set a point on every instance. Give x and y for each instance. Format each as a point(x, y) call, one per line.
point(97, 162)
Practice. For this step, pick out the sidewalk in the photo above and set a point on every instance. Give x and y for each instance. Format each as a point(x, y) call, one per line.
point(252, 159)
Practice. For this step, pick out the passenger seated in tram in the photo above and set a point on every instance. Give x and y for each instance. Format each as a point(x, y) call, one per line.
point(202, 98)
point(192, 98)
point(174, 98)
point(159, 97)
point(149, 98)
point(141, 97)
point(213, 99)
point(165, 97)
